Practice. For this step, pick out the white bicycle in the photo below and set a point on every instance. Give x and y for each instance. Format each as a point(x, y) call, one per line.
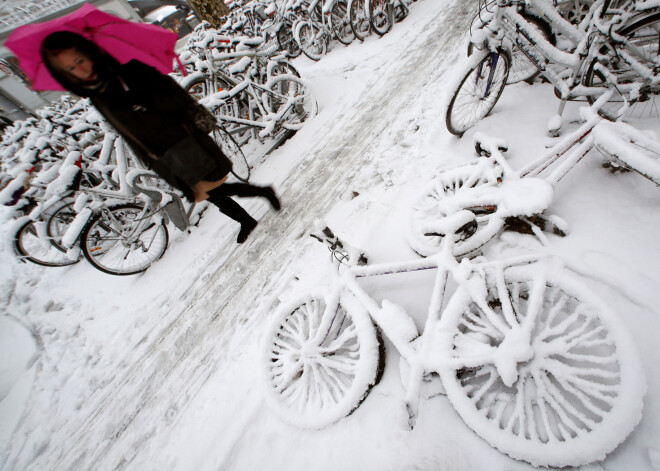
point(499, 195)
point(531, 360)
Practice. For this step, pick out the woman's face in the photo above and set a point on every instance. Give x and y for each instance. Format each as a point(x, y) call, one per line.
point(77, 64)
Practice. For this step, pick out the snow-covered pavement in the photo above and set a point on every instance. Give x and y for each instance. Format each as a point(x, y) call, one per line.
point(161, 370)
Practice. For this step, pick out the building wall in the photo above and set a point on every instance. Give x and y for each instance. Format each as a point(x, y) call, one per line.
point(14, 91)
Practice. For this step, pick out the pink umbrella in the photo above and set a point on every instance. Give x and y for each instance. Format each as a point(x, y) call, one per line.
point(123, 39)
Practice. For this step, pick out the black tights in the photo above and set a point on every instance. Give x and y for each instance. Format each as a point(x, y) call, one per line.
point(221, 198)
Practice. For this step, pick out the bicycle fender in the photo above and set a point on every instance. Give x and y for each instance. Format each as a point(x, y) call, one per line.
point(75, 228)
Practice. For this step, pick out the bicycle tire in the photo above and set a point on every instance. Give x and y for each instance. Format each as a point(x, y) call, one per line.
point(239, 164)
point(381, 16)
point(287, 42)
point(430, 206)
point(340, 24)
point(283, 88)
point(473, 100)
point(307, 35)
point(358, 17)
point(569, 391)
point(314, 379)
point(105, 246)
point(648, 106)
point(30, 246)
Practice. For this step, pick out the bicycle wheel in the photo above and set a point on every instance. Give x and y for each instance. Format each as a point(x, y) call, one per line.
point(644, 36)
point(539, 368)
point(311, 40)
point(239, 164)
point(292, 92)
point(574, 10)
point(198, 88)
point(280, 67)
point(339, 23)
point(286, 41)
point(478, 91)
point(32, 244)
point(116, 241)
point(441, 198)
point(358, 17)
point(522, 70)
point(381, 16)
point(320, 360)
point(58, 222)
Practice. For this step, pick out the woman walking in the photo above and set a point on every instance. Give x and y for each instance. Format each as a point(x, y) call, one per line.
point(164, 126)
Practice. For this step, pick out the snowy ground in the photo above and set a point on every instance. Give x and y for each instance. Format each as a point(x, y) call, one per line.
point(160, 371)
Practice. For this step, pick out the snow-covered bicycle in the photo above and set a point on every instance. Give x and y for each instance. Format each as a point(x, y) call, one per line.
point(120, 225)
point(617, 51)
point(322, 21)
point(365, 16)
point(37, 238)
point(499, 196)
point(252, 94)
point(531, 360)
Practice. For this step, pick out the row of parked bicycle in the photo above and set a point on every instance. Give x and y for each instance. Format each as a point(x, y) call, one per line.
point(304, 26)
point(48, 164)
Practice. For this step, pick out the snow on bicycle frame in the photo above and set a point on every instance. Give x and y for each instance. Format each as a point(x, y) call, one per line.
point(531, 360)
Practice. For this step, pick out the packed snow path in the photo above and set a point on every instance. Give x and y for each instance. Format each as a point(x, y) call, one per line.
point(155, 381)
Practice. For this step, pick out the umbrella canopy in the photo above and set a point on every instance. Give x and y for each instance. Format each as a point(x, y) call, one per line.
point(122, 39)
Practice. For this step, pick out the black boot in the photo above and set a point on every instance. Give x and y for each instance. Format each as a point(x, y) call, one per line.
point(232, 209)
point(245, 189)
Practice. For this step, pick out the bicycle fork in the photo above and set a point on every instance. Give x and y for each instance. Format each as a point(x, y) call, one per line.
point(494, 58)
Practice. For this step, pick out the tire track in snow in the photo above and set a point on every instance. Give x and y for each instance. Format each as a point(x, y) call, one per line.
point(149, 394)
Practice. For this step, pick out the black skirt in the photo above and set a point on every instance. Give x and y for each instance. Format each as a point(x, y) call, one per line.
point(191, 160)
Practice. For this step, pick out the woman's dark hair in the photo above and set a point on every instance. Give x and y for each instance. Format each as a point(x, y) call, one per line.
point(105, 65)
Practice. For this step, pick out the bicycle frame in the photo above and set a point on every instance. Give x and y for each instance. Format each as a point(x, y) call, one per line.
point(399, 327)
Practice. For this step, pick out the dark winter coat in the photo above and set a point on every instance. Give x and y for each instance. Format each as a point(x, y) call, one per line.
point(153, 113)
